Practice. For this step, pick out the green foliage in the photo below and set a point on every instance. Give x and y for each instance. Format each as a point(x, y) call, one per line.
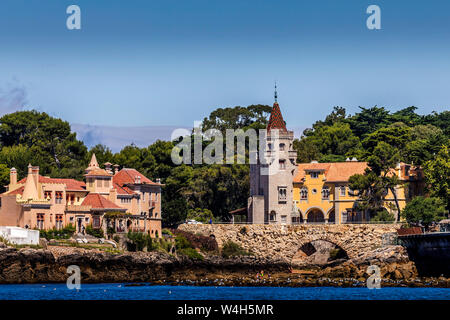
point(98, 233)
point(64, 233)
point(137, 241)
point(423, 211)
point(182, 243)
point(231, 249)
point(202, 215)
point(188, 240)
point(191, 253)
point(383, 216)
point(47, 141)
point(437, 174)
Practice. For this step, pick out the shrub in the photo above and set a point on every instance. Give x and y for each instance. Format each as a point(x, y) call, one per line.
point(116, 239)
point(383, 216)
point(182, 243)
point(137, 241)
point(64, 233)
point(204, 243)
point(231, 249)
point(424, 211)
point(191, 253)
point(98, 233)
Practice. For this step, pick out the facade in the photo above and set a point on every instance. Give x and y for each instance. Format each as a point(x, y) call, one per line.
point(311, 192)
point(122, 200)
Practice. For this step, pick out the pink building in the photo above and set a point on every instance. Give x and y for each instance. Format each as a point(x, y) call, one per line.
point(121, 200)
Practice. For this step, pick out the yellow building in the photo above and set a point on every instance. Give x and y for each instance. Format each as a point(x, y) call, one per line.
point(321, 192)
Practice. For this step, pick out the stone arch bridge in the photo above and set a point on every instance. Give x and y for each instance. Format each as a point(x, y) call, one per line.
point(283, 242)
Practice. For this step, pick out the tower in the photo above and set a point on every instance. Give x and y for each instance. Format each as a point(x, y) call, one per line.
point(271, 178)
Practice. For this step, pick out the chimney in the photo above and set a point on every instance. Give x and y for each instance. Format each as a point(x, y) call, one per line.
point(116, 168)
point(108, 167)
point(354, 159)
point(30, 189)
point(348, 159)
point(35, 171)
point(12, 177)
point(137, 179)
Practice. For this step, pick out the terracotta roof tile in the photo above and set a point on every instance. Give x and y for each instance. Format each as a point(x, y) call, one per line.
point(71, 184)
point(98, 172)
point(127, 176)
point(334, 171)
point(276, 119)
point(97, 201)
point(16, 191)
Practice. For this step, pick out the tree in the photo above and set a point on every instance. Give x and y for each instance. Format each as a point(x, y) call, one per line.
point(255, 116)
point(368, 120)
point(377, 180)
point(437, 175)
point(424, 211)
point(53, 146)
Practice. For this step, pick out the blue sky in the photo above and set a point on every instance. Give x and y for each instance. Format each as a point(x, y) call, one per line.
point(169, 63)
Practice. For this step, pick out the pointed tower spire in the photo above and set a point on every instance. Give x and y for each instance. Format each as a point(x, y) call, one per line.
point(93, 164)
point(30, 189)
point(276, 120)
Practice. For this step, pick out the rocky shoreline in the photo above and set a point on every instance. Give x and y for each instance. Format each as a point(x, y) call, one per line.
point(157, 268)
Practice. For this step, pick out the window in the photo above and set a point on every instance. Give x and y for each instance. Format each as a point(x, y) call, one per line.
point(59, 221)
point(314, 191)
point(325, 193)
point(304, 193)
point(96, 222)
point(282, 145)
point(283, 219)
point(58, 196)
point(40, 221)
point(314, 175)
point(86, 219)
point(270, 146)
point(106, 184)
point(99, 183)
point(143, 196)
point(282, 164)
point(48, 195)
point(281, 194)
point(342, 190)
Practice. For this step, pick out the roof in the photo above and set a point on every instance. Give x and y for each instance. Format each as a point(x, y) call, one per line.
point(122, 189)
point(97, 201)
point(71, 184)
point(98, 172)
point(276, 119)
point(334, 171)
point(127, 176)
point(16, 191)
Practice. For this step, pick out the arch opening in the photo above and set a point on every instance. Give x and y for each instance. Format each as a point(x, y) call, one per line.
point(315, 216)
point(319, 252)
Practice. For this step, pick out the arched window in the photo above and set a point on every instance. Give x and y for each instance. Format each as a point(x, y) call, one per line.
point(282, 145)
point(304, 193)
point(325, 193)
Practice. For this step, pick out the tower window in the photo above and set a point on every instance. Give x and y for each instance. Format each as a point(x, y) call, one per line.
point(342, 190)
point(282, 194)
point(314, 175)
point(282, 145)
point(282, 164)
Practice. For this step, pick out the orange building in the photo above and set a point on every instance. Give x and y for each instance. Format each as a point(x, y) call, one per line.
point(322, 194)
point(122, 200)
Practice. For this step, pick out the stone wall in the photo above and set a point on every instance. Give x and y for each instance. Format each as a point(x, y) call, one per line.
point(283, 242)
